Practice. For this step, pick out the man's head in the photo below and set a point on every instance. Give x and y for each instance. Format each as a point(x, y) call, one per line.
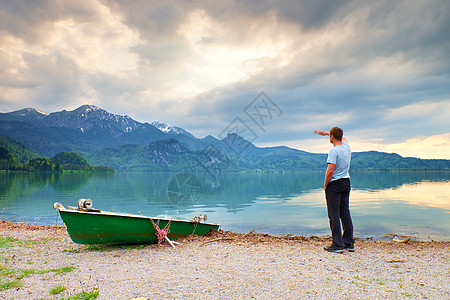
point(337, 133)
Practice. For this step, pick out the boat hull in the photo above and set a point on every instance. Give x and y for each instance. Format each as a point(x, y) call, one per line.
point(86, 227)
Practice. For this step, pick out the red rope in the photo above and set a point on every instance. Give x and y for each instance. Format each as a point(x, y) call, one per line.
point(161, 233)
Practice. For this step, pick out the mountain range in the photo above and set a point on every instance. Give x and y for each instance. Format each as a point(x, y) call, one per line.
point(125, 144)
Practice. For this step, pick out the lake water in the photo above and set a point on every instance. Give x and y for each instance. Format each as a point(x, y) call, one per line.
point(414, 204)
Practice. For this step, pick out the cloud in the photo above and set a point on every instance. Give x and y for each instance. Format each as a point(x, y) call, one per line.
point(435, 146)
point(50, 56)
point(369, 67)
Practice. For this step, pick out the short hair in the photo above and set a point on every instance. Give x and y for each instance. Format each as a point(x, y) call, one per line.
point(337, 133)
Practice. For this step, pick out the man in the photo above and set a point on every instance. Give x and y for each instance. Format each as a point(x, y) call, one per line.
point(337, 191)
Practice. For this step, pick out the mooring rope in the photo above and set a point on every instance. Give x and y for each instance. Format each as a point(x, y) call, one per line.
point(161, 233)
point(195, 227)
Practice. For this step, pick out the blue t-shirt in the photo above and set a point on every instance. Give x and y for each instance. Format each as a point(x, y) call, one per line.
point(340, 156)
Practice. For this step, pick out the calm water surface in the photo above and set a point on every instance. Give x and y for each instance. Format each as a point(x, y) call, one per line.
point(402, 203)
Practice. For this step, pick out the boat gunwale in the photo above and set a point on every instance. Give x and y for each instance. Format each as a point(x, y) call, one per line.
point(108, 213)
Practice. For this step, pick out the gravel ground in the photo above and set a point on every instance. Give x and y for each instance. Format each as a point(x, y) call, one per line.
point(224, 265)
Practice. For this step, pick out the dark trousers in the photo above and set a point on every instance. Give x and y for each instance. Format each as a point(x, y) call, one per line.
point(337, 194)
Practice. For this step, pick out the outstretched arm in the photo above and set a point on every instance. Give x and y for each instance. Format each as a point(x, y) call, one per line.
point(326, 133)
point(322, 132)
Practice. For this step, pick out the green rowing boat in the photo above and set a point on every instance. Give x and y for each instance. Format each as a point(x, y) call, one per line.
point(86, 225)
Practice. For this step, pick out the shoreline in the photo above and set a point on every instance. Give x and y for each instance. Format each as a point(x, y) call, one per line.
point(378, 237)
point(59, 231)
point(221, 265)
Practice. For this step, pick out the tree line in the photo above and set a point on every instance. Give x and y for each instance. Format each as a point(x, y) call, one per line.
point(65, 161)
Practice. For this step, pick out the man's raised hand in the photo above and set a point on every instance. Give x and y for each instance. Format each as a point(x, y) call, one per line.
point(322, 132)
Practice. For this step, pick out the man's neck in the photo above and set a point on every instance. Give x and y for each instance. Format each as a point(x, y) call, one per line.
point(337, 143)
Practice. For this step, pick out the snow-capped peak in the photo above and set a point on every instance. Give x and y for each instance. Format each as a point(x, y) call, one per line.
point(30, 111)
point(163, 127)
point(88, 108)
point(170, 129)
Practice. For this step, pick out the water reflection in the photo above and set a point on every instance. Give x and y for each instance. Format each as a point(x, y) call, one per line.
point(377, 180)
point(423, 194)
point(382, 202)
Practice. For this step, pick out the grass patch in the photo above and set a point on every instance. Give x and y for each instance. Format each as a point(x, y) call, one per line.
point(84, 296)
point(25, 273)
point(57, 290)
point(98, 248)
point(5, 272)
point(104, 248)
point(63, 270)
point(9, 284)
point(130, 247)
point(6, 241)
point(10, 278)
point(71, 250)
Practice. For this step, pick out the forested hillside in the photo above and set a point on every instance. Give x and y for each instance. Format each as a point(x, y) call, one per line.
point(22, 154)
point(65, 161)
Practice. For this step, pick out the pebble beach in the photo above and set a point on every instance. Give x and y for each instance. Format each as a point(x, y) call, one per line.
point(42, 262)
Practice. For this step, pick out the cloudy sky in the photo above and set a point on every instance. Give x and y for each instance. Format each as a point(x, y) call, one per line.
point(272, 70)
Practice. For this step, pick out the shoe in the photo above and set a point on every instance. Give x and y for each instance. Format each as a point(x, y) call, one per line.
point(349, 247)
point(334, 248)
